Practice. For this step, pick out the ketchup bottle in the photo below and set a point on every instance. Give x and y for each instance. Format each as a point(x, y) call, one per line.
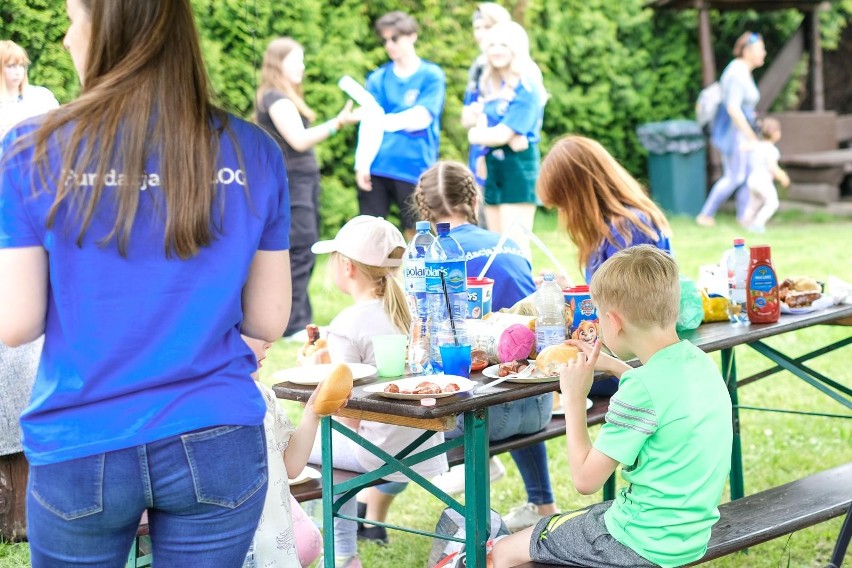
point(762, 287)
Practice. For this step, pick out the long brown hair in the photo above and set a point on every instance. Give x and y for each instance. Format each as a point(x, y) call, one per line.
point(591, 190)
point(446, 189)
point(145, 94)
point(272, 76)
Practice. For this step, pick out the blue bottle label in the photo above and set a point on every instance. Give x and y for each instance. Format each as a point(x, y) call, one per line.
point(455, 276)
point(415, 275)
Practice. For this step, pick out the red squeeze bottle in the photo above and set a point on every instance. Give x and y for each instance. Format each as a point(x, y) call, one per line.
point(762, 287)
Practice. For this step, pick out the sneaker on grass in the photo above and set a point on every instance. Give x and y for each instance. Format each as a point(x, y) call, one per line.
point(452, 482)
point(522, 517)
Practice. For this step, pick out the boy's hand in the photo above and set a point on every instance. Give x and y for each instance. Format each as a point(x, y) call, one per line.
point(577, 375)
point(605, 362)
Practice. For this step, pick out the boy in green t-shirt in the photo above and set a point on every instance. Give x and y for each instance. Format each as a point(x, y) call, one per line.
point(669, 424)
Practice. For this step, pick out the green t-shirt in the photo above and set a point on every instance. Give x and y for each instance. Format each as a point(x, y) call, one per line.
point(669, 424)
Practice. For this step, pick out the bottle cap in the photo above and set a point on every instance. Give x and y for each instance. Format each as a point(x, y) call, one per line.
point(442, 227)
point(423, 226)
point(739, 241)
point(760, 252)
point(549, 277)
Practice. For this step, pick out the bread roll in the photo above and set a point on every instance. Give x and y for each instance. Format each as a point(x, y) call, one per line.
point(551, 358)
point(334, 391)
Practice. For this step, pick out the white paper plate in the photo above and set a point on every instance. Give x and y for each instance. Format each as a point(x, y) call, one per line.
point(536, 376)
point(824, 302)
point(411, 382)
point(307, 474)
point(561, 411)
point(314, 374)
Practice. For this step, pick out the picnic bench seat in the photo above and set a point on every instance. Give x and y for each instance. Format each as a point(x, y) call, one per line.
point(772, 513)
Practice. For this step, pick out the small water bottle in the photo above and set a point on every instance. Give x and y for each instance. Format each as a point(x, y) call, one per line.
point(446, 267)
point(414, 272)
point(736, 264)
point(550, 323)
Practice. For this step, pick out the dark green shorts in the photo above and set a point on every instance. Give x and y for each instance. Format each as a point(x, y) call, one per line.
point(511, 175)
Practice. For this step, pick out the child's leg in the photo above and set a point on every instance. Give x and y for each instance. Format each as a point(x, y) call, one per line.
point(379, 499)
point(753, 206)
point(512, 550)
point(770, 206)
point(308, 536)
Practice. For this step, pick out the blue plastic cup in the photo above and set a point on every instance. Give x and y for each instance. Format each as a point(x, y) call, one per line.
point(456, 359)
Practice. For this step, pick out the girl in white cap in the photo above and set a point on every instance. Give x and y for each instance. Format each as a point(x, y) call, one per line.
point(366, 255)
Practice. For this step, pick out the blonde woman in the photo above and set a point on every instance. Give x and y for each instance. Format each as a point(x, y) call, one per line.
point(485, 17)
point(282, 111)
point(513, 104)
point(18, 99)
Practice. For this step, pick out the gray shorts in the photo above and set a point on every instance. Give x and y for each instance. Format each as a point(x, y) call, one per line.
point(580, 538)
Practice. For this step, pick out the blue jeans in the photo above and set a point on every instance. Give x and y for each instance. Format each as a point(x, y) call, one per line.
point(525, 416)
point(734, 175)
point(204, 492)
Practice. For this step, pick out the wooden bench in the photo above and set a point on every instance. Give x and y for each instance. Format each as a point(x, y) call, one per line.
point(775, 512)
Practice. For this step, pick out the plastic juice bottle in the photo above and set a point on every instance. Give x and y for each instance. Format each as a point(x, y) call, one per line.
point(762, 287)
point(445, 256)
point(737, 264)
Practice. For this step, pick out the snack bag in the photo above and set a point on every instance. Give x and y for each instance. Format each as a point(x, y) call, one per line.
point(715, 307)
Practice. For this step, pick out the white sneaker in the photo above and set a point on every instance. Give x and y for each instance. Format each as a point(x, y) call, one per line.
point(522, 517)
point(452, 482)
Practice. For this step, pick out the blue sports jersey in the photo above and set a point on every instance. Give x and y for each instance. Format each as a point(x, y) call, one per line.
point(633, 237)
point(522, 112)
point(405, 155)
point(145, 347)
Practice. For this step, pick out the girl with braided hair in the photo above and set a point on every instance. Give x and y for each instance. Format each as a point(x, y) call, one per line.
point(447, 193)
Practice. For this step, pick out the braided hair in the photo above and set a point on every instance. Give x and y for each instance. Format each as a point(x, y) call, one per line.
point(446, 189)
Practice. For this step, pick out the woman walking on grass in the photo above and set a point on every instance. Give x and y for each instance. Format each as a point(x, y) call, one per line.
point(142, 230)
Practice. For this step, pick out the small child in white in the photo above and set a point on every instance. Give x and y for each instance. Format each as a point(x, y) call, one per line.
point(764, 170)
point(282, 524)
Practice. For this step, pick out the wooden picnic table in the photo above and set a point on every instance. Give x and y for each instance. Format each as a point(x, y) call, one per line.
point(474, 408)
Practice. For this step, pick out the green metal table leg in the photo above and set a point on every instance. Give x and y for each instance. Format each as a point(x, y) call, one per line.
point(729, 373)
point(328, 491)
point(477, 501)
point(609, 488)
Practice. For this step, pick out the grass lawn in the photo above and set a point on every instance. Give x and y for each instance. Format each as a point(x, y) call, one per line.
point(777, 448)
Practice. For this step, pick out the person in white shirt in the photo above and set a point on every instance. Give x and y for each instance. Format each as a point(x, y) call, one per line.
point(18, 99)
point(763, 171)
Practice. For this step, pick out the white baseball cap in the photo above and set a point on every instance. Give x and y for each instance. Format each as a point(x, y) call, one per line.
point(366, 239)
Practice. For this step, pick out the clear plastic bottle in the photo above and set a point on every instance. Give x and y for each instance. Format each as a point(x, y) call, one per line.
point(446, 257)
point(414, 272)
point(550, 324)
point(737, 263)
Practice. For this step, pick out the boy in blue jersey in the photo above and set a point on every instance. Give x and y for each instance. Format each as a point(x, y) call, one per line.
point(669, 425)
point(410, 92)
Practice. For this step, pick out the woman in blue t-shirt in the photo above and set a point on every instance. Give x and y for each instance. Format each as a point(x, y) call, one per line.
point(733, 126)
point(142, 230)
point(513, 97)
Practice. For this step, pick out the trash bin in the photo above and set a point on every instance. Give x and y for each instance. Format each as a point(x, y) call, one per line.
point(676, 164)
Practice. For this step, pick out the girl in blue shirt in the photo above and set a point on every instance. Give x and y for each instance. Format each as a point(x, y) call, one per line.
point(142, 230)
point(514, 98)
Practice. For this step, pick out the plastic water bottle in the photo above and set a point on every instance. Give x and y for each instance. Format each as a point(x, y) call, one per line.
point(550, 324)
point(736, 263)
point(446, 257)
point(414, 271)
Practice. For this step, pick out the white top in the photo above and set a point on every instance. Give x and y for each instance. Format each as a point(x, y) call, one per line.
point(350, 341)
point(34, 101)
point(274, 540)
point(762, 159)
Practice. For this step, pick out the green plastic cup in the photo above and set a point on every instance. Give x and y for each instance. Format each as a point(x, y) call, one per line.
point(390, 354)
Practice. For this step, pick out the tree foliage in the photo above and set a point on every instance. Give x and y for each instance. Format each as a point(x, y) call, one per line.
point(608, 66)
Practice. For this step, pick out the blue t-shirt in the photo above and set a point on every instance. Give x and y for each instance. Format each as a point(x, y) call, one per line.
point(145, 347)
point(635, 237)
point(522, 112)
point(510, 270)
point(405, 155)
point(472, 95)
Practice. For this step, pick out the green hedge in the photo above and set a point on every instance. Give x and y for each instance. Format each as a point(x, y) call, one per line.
point(609, 66)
